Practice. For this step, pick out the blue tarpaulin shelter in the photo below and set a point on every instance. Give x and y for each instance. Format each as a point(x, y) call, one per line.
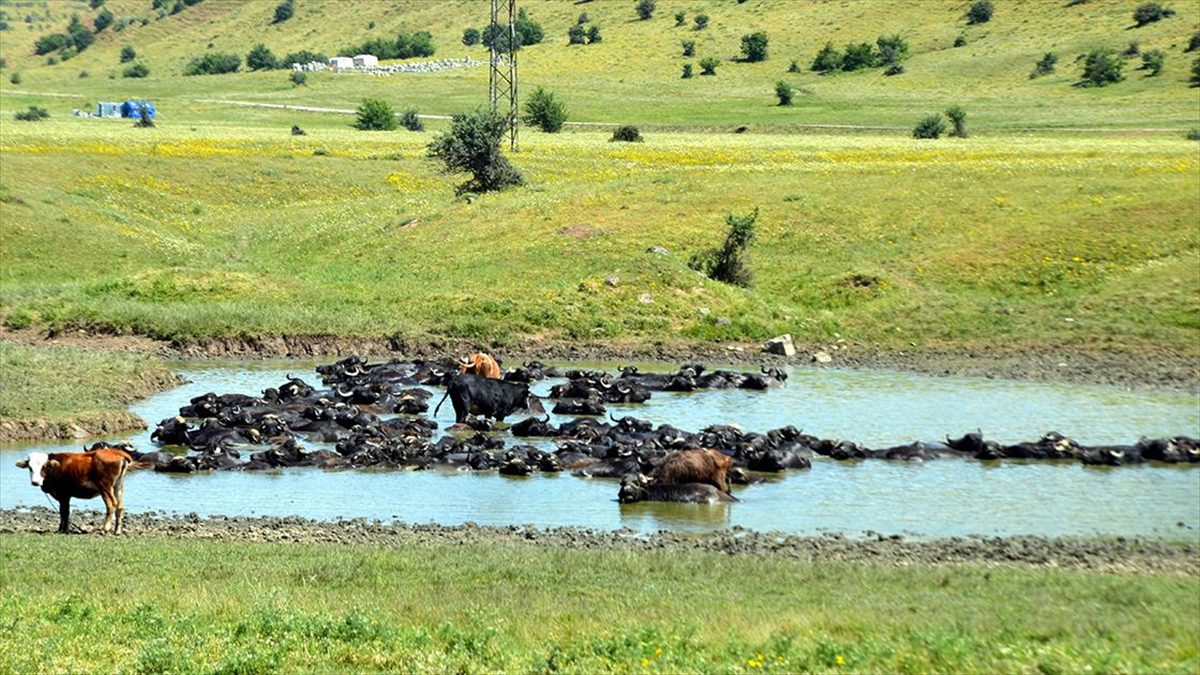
point(133, 108)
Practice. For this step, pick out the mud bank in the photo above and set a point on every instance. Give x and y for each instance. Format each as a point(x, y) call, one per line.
point(1158, 369)
point(80, 426)
point(1120, 555)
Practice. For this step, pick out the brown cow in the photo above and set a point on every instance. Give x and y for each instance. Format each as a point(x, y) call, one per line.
point(83, 475)
point(482, 365)
point(694, 466)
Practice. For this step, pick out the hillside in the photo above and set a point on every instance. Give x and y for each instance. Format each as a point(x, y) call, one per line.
point(633, 75)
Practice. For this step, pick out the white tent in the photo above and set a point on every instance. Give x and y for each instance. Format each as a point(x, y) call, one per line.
point(365, 60)
point(339, 62)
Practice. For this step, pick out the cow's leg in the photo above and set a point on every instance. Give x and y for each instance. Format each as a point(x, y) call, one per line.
point(120, 490)
point(461, 408)
point(110, 508)
point(64, 514)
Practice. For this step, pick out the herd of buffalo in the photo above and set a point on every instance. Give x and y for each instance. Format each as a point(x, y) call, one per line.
point(373, 415)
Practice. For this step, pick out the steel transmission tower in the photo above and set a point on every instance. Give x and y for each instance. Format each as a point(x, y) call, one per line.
point(502, 80)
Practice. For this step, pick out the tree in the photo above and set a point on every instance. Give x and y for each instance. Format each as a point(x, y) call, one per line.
point(298, 78)
point(261, 58)
point(103, 20)
point(687, 71)
point(1045, 66)
point(375, 115)
point(958, 117)
point(689, 47)
point(930, 127)
point(680, 18)
point(859, 56)
point(701, 21)
point(1150, 12)
point(784, 92)
point(80, 36)
point(544, 111)
point(128, 54)
point(472, 144)
point(754, 47)
point(828, 60)
point(980, 12)
point(213, 63)
point(645, 9)
point(410, 120)
point(728, 264)
point(594, 35)
point(470, 37)
point(95, 4)
point(576, 35)
point(708, 65)
point(1153, 61)
point(284, 11)
point(529, 31)
point(1101, 68)
point(136, 70)
point(893, 49)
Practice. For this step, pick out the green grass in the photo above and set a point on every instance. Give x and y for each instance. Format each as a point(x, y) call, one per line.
point(217, 230)
point(188, 606)
point(65, 383)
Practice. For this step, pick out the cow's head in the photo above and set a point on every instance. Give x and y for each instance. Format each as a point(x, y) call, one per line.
point(38, 464)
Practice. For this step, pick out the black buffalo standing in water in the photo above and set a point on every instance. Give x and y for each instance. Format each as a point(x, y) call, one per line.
point(470, 394)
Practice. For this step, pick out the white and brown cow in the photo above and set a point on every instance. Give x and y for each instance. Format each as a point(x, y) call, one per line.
point(82, 475)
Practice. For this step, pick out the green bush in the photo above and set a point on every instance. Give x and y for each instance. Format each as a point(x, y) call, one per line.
point(261, 58)
point(894, 69)
point(544, 111)
point(784, 92)
point(33, 114)
point(576, 35)
point(701, 21)
point(375, 115)
point(583, 18)
point(409, 119)
point(594, 35)
point(728, 264)
point(689, 47)
point(136, 70)
point(470, 37)
point(83, 74)
point(645, 9)
point(980, 12)
point(626, 134)
point(859, 56)
point(828, 60)
point(95, 4)
point(892, 49)
point(1193, 135)
point(1153, 61)
point(957, 117)
point(1045, 65)
point(103, 20)
point(687, 71)
point(128, 54)
point(1149, 12)
point(708, 65)
point(298, 78)
point(528, 30)
point(303, 56)
point(930, 127)
point(680, 18)
point(754, 47)
point(794, 66)
point(284, 11)
point(1194, 43)
point(1133, 49)
point(15, 78)
point(405, 46)
point(472, 144)
point(213, 63)
point(1101, 68)
point(1195, 79)
point(960, 41)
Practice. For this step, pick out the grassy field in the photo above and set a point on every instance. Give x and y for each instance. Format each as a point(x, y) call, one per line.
point(188, 606)
point(209, 229)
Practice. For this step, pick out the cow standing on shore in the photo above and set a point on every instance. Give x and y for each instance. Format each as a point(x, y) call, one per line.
point(82, 475)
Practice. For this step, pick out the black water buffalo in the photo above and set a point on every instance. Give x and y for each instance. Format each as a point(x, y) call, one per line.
point(471, 394)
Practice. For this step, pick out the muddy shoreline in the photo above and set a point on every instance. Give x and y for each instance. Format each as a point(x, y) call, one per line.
point(1153, 369)
point(1118, 555)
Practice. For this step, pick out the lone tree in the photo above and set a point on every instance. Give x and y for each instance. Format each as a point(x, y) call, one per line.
point(544, 111)
point(472, 144)
point(784, 92)
point(754, 47)
point(645, 9)
point(980, 11)
point(728, 263)
point(931, 127)
point(375, 115)
point(957, 117)
point(1101, 68)
point(470, 37)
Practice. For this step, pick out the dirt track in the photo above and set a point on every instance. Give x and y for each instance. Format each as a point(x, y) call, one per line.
point(1120, 555)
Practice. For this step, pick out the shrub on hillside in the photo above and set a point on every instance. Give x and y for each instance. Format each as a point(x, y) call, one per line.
point(708, 65)
point(33, 114)
point(576, 35)
point(103, 20)
point(626, 134)
point(95, 4)
point(582, 18)
point(1045, 65)
point(689, 47)
point(1149, 12)
point(754, 47)
point(891, 49)
point(15, 78)
point(1194, 43)
point(957, 117)
point(302, 56)
point(284, 11)
point(544, 111)
point(1133, 49)
point(680, 18)
point(374, 114)
point(701, 21)
point(136, 70)
point(894, 69)
point(687, 71)
point(960, 41)
point(980, 12)
point(728, 264)
point(213, 63)
point(794, 66)
point(1193, 135)
point(1153, 61)
point(261, 58)
point(1195, 79)
point(410, 120)
point(528, 30)
point(828, 60)
point(645, 9)
point(1101, 67)
point(128, 54)
point(859, 56)
point(470, 37)
point(298, 78)
point(930, 127)
point(472, 144)
point(83, 74)
point(594, 35)
point(784, 92)
point(405, 46)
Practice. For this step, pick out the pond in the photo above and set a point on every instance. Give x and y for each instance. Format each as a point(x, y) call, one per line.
point(947, 497)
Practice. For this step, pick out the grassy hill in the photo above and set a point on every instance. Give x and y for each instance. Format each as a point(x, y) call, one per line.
point(220, 223)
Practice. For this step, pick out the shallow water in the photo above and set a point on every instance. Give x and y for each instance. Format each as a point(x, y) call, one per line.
point(938, 498)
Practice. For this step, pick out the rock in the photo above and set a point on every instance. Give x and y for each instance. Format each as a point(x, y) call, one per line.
point(658, 250)
point(822, 357)
point(781, 345)
point(645, 298)
point(723, 321)
point(612, 281)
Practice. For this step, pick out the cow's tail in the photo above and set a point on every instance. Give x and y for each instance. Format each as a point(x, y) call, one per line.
point(439, 405)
